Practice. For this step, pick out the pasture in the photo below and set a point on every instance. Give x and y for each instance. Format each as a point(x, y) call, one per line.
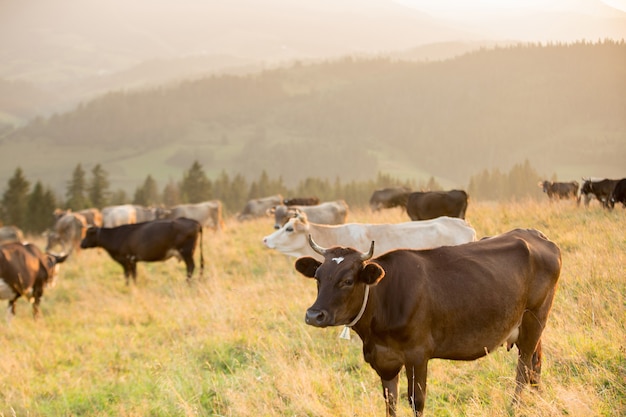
point(234, 343)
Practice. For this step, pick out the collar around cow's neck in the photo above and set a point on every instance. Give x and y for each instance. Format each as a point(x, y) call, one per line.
point(345, 333)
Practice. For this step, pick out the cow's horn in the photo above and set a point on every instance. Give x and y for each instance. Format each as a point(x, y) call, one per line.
point(368, 255)
point(317, 248)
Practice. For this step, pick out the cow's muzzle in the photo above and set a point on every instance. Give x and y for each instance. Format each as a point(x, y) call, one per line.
point(317, 318)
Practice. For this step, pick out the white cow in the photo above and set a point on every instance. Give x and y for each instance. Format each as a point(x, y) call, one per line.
point(292, 238)
point(114, 216)
point(329, 212)
point(207, 213)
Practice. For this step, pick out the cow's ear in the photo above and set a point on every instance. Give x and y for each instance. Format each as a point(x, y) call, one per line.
point(371, 274)
point(307, 266)
point(299, 225)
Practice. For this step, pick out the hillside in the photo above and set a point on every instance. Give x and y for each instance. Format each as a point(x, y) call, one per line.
point(562, 107)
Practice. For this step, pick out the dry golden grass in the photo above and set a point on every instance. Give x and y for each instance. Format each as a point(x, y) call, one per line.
point(234, 343)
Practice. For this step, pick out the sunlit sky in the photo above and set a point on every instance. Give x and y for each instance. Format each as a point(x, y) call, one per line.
point(463, 9)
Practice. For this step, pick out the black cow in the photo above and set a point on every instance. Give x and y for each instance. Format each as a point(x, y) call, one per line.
point(619, 194)
point(389, 198)
point(561, 190)
point(601, 189)
point(26, 271)
point(453, 302)
point(431, 204)
point(153, 241)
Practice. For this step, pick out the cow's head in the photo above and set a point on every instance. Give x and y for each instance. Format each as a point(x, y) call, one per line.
point(341, 283)
point(290, 237)
point(52, 267)
point(91, 238)
point(545, 185)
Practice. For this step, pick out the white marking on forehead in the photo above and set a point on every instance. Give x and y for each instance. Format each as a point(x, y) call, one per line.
point(338, 260)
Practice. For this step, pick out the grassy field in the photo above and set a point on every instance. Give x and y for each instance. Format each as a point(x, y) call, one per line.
point(234, 343)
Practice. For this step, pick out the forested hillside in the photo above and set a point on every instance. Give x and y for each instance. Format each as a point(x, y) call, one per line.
point(562, 107)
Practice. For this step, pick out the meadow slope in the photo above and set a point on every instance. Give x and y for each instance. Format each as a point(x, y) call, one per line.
point(234, 343)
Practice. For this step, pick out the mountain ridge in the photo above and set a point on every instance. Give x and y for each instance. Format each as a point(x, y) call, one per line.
point(351, 118)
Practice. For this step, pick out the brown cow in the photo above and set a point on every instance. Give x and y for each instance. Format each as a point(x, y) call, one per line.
point(301, 201)
point(25, 271)
point(153, 241)
point(452, 302)
point(561, 190)
point(425, 205)
point(389, 198)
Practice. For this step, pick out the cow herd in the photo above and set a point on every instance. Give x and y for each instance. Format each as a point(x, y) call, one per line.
point(412, 291)
point(607, 191)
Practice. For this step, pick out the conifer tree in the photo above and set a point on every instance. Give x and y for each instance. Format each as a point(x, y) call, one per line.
point(15, 200)
point(147, 194)
point(41, 204)
point(238, 189)
point(76, 198)
point(98, 190)
point(118, 197)
point(195, 186)
point(171, 194)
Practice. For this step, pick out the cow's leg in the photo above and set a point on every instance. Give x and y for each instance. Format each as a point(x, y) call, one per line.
point(529, 346)
point(390, 393)
point(11, 310)
point(416, 377)
point(133, 270)
point(37, 294)
point(126, 274)
point(190, 265)
point(36, 308)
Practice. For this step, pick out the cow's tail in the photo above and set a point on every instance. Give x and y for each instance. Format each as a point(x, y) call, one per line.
point(201, 251)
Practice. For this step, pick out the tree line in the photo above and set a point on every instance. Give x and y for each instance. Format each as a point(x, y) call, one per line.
point(31, 208)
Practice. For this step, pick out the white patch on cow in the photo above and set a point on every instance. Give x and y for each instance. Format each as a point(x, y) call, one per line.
point(173, 253)
point(6, 292)
point(338, 260)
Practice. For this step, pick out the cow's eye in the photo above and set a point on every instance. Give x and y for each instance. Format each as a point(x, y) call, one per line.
point(347, 282)
point(289, 229)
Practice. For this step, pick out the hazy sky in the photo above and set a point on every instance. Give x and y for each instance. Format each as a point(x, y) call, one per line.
point(50, 40)
point(460, 9)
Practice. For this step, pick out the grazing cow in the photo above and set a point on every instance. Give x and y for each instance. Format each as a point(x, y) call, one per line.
point(92, 216)
point(258, 207)
point(68, 231)
point(330, 212)
point(301, 201)
point(114, 216)
point(389, 198)
point(601, 189)
point(207, 213)
point(619, 194)
point(26, 271)
point(431, 204)
point(153, 241)
point(10, 234)
point(453, 302)
point(561, 190)
point(292, 238)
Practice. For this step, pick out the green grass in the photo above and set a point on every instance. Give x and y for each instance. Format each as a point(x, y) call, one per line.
point(234, 342)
